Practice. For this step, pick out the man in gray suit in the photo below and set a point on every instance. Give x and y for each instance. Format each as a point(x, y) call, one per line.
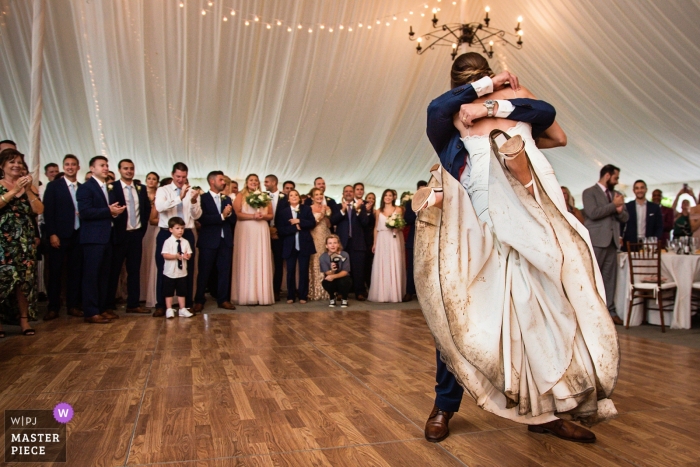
point(605, 209)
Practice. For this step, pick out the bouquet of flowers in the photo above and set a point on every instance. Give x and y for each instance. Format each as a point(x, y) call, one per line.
point(395, 222)
point(406, 196)
point(258, 199)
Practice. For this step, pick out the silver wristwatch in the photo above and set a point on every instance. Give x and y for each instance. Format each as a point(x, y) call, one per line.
point(490, 104)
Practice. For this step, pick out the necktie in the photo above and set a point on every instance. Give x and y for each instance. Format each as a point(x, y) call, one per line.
point(296, 235)
point(180, 212)
point(607, 192)
point(132, 207)
point(274, 208)
point(104, 190)
point(76, 224)
point(217, 201)
point(350, 221)
point(179, 252)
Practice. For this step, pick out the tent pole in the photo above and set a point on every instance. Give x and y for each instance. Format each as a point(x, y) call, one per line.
point(34, 161)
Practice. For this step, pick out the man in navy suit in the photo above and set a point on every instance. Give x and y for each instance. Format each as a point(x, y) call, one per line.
point(279, 200)
point(129, 228)
point(645, 219)
point(445, 139)
point(215, 242)
point(410, 218)
point(349, 219)
point(294, 224)
point(62, 226)
point(96, 218)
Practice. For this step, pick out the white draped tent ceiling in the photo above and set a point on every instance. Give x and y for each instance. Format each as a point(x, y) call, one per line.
point(159, 83)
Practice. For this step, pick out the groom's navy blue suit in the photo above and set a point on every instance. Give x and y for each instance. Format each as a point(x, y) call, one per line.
point(350, 229)
point(96, 240)
point(215, 245)
point(446, 141)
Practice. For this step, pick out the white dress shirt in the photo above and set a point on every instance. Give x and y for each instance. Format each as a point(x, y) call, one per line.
point(641, 218)
point(170, 268)
point(76, 222)
point(275, 199)
point(485, 86)
point(131, 192)
point(167, 202)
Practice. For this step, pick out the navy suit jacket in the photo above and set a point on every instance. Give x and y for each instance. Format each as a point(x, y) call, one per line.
point(95, 216)
point(445, 137)
point(410, 218)
point(59, 212)
point(287, 231)
point(116, 195)
point(330, 202)
point(359, 221)
point(655, 222)
point(212, 224)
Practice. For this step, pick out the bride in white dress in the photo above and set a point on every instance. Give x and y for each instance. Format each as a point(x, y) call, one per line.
point(523, 326)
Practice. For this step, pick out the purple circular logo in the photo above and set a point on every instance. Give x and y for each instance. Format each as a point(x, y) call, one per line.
point(63, 412)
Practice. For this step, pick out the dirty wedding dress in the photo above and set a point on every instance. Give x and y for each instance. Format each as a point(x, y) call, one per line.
point(512, 293)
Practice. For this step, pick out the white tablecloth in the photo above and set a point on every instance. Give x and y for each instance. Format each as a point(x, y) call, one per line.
point(681, 269)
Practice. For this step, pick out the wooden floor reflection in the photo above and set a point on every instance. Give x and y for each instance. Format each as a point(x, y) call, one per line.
point(320, 388)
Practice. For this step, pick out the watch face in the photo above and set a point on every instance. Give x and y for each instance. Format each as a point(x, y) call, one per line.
point(490, 102)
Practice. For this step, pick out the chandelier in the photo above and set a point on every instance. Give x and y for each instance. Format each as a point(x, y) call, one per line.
point(476, 34)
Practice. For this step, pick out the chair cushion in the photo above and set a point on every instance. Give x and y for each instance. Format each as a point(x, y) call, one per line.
point(648, 286)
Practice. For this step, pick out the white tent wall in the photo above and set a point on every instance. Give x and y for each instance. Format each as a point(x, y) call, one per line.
point(150, 81)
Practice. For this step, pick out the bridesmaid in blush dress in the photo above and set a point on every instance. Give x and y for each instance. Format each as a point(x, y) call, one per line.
point(251, 283)
point(389, 267)
point(148, 262)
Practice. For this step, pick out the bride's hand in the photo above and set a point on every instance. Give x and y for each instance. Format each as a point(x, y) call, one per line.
point(470, 112)
point(500, 80)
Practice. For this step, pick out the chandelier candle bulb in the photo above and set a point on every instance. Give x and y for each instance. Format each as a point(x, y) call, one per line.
point(486, 18)
point(520, 20)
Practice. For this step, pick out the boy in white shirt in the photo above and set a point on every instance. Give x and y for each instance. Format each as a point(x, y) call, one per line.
point(176, 251)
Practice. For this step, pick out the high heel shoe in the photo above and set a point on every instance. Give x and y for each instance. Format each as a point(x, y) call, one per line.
point(28, 331)
point(424, 198)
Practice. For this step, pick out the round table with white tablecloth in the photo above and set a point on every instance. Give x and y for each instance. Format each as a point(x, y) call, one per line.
point(681, 269)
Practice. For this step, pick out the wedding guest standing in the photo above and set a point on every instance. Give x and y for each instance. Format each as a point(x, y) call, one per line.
point(18, 203)
point(571, 205)
point(295, 223)
point(175, 200)
point(370, 202)
point(605, 210)
point(410, 218)
point(96, 218)
point(320, 183)
point(644, 217)
point(62, 225)
point(176, 252)
point(252, 255)
point(215, 242)
point(667, 215)
point(288, 186)
point(336, 268)
point(148, 258)
point(389, 270)
point(278, 200)
point(319, 234)
point(349, 220)
point(129, 230)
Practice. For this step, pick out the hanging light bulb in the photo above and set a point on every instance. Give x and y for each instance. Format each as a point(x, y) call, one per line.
point(256, 19)
point(341, 27)
point(310, 30)
point(369, 26)
point(211, 3)
point(279, 23)
point(225, 19)
point(299, 27)
point(388, 23)
point(323, 27)
point(350, 29)
point(233, 13)
point(330, 29)
point(289, 29)
point(182, 4)
point(204, 12)
point(247, 23)
point(269, 26)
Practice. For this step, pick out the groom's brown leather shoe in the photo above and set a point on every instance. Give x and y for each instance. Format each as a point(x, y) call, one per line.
point(436, 428)
point(617, 320)
point(197, 308)
point(565, 430)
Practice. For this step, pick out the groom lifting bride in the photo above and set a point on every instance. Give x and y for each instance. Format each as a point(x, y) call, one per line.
point(512, 293)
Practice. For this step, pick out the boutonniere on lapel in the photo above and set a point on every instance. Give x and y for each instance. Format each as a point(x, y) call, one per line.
point(223, 197)
point(110, 187)
point(296, 209)
point(281, 195)
point(138, 188)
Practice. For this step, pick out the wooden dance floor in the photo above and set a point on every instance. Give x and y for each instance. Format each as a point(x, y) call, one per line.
point(314, 388)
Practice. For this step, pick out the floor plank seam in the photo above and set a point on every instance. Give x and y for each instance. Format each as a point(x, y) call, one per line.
point(279, 453)
point(143, 396)
point(362, 383)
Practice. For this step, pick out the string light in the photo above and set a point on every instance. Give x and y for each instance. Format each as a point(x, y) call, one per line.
point(323, 27)
point(359, 25)
point(310, 30)
point(341, 27)
point(204, 12)
point(211, 3)
point(247, 23)
point(299, 27)
point(225, 19)
point(269, 26)
point(257, 19)
point(350, 29)
point(233, 13)
point(330, 29)
point(379, 22)
point(182, 4)
point(279, 23)
point(289, 29)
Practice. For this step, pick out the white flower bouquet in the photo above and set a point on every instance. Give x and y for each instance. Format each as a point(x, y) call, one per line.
point(395, 222)
point(258, 199)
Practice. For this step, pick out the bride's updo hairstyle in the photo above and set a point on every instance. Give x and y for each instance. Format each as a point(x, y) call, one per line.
point(469, 67)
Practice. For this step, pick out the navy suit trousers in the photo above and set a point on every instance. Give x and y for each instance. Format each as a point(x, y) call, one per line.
point(410, 283)
point(97, 260)
point(357, 267)
point(129, 251)
point(277, 246)
point(303, 291)
point(448, 392)
point(160, 264)
point(217, 260)
point(71, 252)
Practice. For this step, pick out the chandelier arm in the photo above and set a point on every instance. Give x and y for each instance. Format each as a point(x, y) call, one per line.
point(435, 42)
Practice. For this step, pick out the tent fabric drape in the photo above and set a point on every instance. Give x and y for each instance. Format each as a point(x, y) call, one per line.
point(150, 81)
